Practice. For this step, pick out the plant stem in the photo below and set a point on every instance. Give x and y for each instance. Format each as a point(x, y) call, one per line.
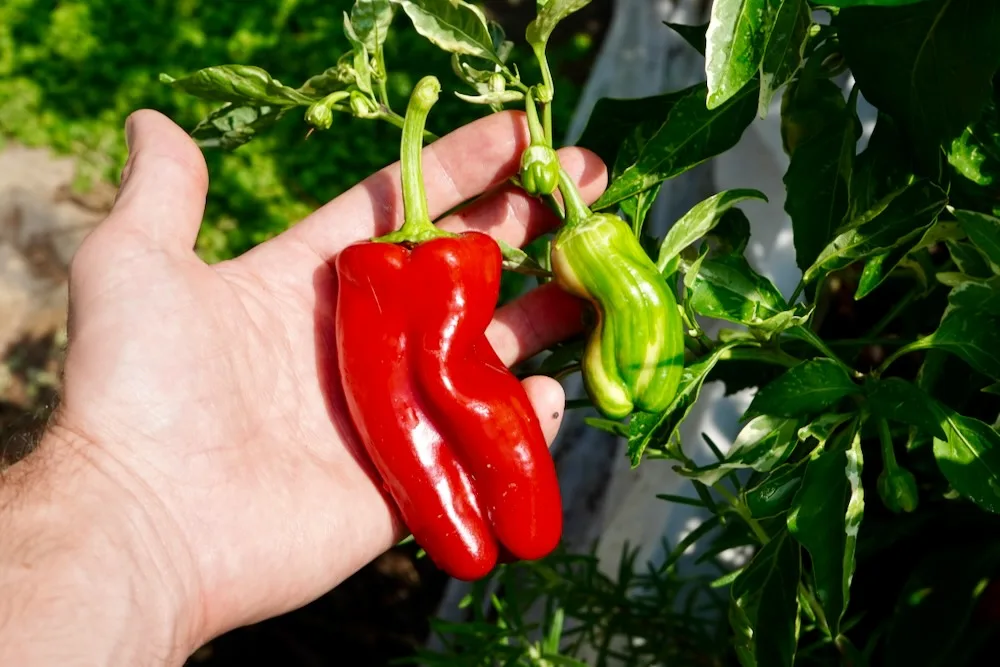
point(798, 291)
point(534, 125)
point(921, 344)
point(543, 64)
point(806, 334)
point(778, 357)
point(393, 118)
point(576, 210)
point(885, 437)
point(417, 225)
point(817, 608)
point(547, 122)
point(744, 513)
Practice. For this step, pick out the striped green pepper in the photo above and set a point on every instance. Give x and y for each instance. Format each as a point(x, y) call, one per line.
point(635, 353)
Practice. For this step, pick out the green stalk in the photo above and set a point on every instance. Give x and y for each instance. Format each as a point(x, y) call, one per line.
point(888, 452)
point(535, 129)
point(576, 210)
point(417, 226)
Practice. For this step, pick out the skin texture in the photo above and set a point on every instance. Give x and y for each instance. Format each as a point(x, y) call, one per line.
point(450, 430)
point(201, 472)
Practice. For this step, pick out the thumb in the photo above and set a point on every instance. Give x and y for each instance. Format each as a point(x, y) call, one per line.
point(161, 200)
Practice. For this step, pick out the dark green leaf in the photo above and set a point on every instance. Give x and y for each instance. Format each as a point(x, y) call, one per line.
point(824, 426)
point(727, 288)
point(928, 64)
point(774, 494)
point(732, 233)
point(970, 459)
point(695, 35)
point(897, 400)
point(371, 20)
point(762, 444)
point(975, 154)
point(689, 134)
point(930, 625)
point(735, 44)
point(971, 334)
point(615, 122)
point(893, 221)
point(812, 386)
point(656, 430)
point(820, 132)
point(452, 25)
point(764, 605)
point(969, 259)
point(549, 17)
point(984, 232)
point(882, 168)
point(982, 295)
point(239, 84)
point(825, 517)
point(788, 24)
point(878, 267)
point(697, 222)
point(231, 126)
point(637, 208)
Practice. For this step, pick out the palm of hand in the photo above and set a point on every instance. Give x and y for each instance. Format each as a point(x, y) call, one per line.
point(214, 391)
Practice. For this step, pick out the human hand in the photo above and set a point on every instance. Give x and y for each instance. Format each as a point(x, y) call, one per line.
point(208, 394)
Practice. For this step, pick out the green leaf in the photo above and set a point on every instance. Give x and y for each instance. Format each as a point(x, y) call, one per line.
point(788, 24)
point(764, 605)
point(969, 259)
point(617, 123)
point(896, 219)
point(238, 84)
point(697, 222)
point(970, 459)
point(897, 400)
point(929, 64)
point(689, 134)
point(452, 25)
point(878, 267)
point(371, 20)
point(970, 334)
point(820, 132)
point(732, 232)
point(975, 154)
point(984, 232)
point(981, 295)
point(727, 288)
point(824, 426)
point(695, 35)
point(230, 127)
point(764, 443)
point(809, 387)
point(656, 430)
point(775, 493)
point(636, 208)
point(362, 64)
point(825, 517)
point(548, 18)
point(735, 44)
point(882, 168)
point(518, 261)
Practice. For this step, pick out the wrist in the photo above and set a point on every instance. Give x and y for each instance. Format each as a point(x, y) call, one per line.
point(89, 572)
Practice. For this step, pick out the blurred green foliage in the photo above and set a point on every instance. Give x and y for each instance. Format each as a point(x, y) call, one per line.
point(72, 70)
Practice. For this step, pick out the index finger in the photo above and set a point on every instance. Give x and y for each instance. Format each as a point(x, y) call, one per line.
point(456, 168)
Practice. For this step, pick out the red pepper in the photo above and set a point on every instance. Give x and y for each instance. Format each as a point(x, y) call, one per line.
point(448, 427)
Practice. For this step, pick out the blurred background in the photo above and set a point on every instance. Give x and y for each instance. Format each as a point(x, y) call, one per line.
point(70, 73)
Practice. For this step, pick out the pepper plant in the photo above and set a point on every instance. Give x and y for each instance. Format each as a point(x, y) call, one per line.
point(865, 481)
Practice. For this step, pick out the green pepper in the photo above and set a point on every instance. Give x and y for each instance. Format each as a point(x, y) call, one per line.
point(539, 170)
point(635, 353)
point(898, 490)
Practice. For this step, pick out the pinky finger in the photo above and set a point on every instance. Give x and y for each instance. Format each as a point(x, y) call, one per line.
point(549, 400)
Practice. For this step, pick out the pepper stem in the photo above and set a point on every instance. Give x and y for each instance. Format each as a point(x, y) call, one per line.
point(535, 128)
point(576, 210)
point(417, 225)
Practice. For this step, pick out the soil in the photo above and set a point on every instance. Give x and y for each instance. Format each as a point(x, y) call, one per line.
point(378, 615)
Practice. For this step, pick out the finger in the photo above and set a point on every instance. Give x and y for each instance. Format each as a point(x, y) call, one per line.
point(162, 197)
point(456, 168)
point(532, 322)
point(511, 215)
point(549, 400)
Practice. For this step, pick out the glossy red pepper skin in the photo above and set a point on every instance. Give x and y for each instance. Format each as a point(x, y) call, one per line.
point(448, 427)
